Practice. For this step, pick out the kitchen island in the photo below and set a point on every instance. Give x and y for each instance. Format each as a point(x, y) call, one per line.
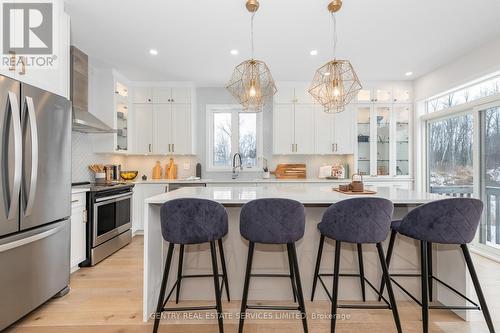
point(449, 265)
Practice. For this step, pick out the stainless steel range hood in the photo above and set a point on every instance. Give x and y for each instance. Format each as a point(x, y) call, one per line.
point(83, 120)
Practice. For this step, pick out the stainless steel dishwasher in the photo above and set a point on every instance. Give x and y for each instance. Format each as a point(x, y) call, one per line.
point(175, 186)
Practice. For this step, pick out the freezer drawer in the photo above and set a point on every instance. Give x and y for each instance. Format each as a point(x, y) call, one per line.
point(34, 267)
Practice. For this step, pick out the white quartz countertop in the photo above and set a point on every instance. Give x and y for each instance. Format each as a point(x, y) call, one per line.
point(306, 193)
point(267, 181)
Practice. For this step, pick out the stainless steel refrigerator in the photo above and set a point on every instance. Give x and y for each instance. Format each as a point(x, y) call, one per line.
point(35, 197)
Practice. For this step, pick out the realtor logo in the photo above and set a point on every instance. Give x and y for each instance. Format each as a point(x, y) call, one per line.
point(27, 28)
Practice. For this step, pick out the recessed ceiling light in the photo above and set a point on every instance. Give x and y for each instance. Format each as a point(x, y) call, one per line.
point(234, 52)
point(409, 73)
point(313, 52)
point(153, 52)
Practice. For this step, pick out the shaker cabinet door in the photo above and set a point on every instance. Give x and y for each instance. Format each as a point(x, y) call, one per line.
point(181, 129)
point(143, 122)
point(304, 128)
point(162, 128)
point(283, 129)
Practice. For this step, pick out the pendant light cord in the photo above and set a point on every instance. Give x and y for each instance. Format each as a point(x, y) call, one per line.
point(334, 19)
point(251, 31)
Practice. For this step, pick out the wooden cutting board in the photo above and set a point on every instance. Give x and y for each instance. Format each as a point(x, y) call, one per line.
point(290, 171)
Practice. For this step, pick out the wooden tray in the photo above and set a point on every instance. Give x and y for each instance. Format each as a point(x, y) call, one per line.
point(355, 193)
point(290, 171)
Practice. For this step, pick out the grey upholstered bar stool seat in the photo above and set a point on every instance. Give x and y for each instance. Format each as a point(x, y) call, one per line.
point(358, 221)
point(448, 221)
point(193, 221)
point(273, 221)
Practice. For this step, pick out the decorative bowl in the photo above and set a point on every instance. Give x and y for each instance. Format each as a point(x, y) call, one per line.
point(128, 175)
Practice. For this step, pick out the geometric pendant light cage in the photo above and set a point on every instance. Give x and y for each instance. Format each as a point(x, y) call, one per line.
point(252, 83)
point(335, 84)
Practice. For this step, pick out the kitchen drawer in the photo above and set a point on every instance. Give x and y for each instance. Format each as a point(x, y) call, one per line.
point(78, 200)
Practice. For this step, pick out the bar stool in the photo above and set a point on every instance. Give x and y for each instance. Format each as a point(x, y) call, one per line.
point(448, 221)
point(273, 221)
point(358, 221)
point(192, 221)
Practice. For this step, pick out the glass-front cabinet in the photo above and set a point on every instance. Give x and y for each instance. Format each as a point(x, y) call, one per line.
point(122, 116)
point(383, 145)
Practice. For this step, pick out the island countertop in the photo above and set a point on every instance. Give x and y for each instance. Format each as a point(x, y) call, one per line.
point(306, 193)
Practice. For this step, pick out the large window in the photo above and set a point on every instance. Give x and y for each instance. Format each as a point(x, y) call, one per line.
point(450, 156)
point(481, 88)
point(232, 131)
point(490, 176)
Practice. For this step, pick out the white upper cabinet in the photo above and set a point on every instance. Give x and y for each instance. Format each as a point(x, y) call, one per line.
point(162, 95)
point(162, 128)
point(181, 138)
point(143, 95)
point(283, 128)
point(304, 129)
point(181, 95)
point(285, 95)
point(169, 121)
point(334, 133)
point(50, 72)
point(143, 127)
point(385, 92)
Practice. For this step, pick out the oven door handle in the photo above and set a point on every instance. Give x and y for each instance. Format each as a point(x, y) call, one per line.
point(112, 197)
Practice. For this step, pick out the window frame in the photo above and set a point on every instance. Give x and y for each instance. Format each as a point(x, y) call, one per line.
point(234, 109)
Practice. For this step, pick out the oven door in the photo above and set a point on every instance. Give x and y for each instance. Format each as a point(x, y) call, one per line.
point(112, 216)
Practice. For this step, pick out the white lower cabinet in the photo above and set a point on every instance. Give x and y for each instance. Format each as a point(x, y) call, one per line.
point(78, 229)
point(141, 193)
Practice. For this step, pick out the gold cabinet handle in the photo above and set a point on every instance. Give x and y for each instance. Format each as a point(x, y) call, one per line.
point(173, 148)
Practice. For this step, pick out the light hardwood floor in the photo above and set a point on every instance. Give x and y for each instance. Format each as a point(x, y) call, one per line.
point(108, 298)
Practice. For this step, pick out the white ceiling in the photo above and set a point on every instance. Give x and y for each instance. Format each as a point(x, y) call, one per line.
point(383, 39)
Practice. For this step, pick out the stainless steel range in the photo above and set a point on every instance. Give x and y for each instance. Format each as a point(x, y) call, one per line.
point(109, 209)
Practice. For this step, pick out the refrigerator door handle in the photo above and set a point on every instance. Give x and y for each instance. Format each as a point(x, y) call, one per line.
point(31, 239)
point(34, 155)
point(15, 114)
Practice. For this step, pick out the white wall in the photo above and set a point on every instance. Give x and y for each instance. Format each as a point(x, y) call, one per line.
point(482, 61)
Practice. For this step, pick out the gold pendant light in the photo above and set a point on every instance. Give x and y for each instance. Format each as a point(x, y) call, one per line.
point(335, 84)
point(252, 83)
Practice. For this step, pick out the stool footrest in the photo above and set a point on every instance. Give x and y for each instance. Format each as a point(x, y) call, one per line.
point(190, 308)
point(272, 307)
point(265, 275)
point(387, 306)
point(443, 307)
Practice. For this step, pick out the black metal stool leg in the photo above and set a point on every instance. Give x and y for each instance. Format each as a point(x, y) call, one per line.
point(318, 264)
point(292, 276)
point(300, 295)
point(161, 296)
point(425, 292)
point(244, 298)
point(477, 287)
point(429, 269)
point(336, 268)
point(361, 271)
point(392, 240)
point(218, 300)
point(386, 277)
point(179, 273)
point(224, 270)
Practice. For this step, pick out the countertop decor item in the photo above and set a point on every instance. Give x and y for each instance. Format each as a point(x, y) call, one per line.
point(128, 175)
point(157, 171)
point(290, 171)
point(171, 170)
point(335, 84)
point(357, 183)
point(252, 83)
